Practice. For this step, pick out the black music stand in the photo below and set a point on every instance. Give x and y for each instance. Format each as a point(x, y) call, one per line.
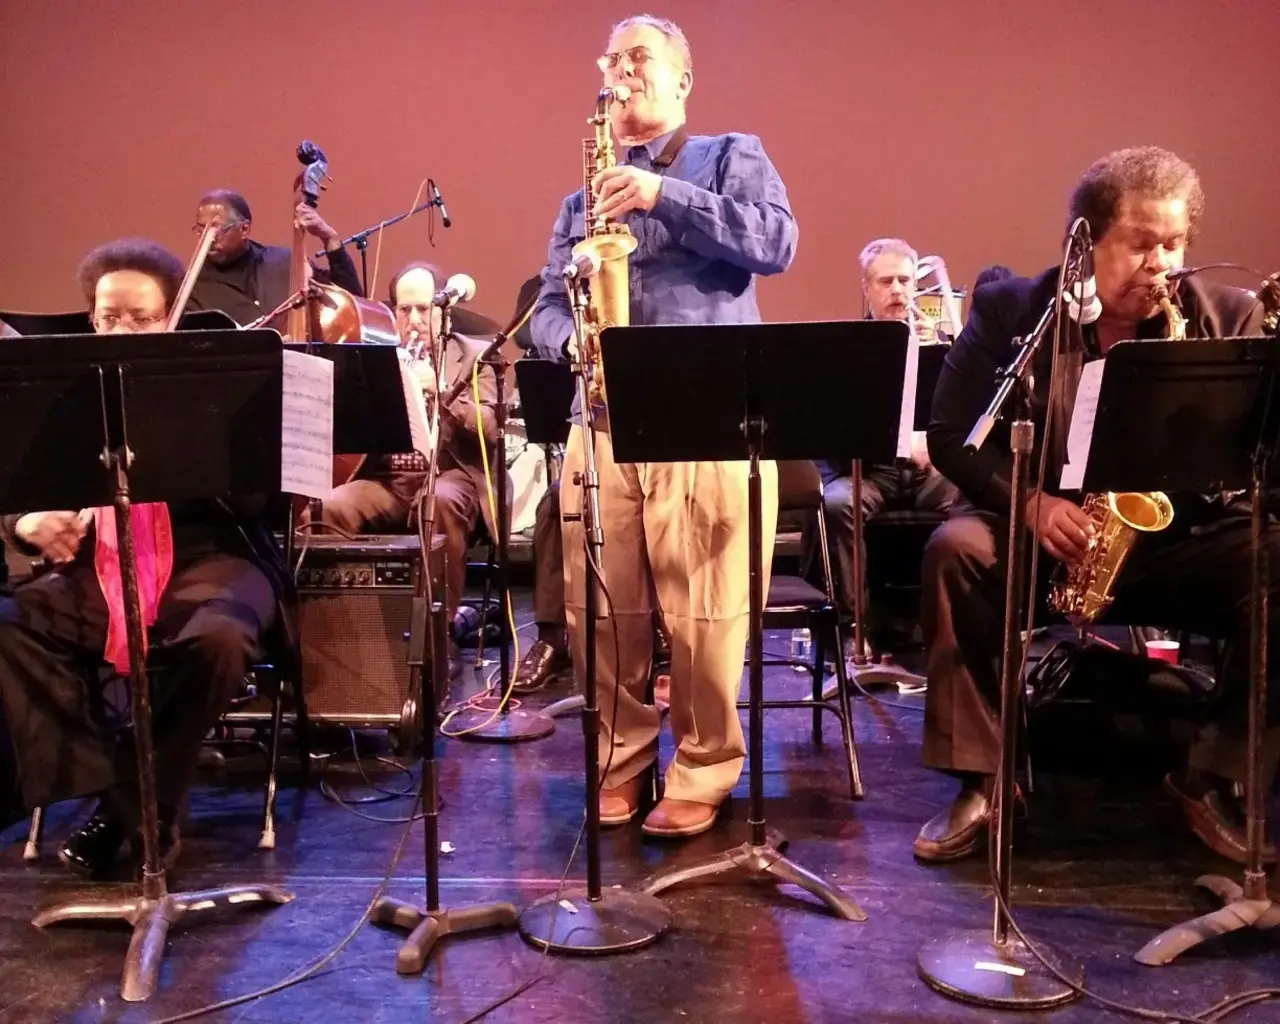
point(864, 672)
point(1187, 417)
point(113, 419)
point(757, 392)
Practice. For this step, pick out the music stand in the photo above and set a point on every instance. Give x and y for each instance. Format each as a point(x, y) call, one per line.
point(756, 392)
point(1206, 413)
point(113, 419)
point(865, 672)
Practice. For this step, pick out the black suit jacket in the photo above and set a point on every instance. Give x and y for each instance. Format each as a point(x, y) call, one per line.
point(1010, 309)
point(267, 282)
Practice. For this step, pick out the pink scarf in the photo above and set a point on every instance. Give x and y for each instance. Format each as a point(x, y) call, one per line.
point(153, 552)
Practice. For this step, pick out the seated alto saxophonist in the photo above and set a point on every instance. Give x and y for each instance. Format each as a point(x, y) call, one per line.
point(1143, 207)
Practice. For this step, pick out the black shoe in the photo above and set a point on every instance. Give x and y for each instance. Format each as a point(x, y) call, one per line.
point(91, 850)
point(1214, 815)
point(539, 666)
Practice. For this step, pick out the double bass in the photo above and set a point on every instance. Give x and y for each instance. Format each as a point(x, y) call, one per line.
point(322, 311)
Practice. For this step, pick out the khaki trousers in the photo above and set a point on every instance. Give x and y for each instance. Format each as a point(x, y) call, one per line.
point(677, 532)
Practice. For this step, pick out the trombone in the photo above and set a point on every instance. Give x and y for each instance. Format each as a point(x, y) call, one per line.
point(928, 327)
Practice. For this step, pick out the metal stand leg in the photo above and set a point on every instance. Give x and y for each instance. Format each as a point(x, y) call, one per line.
point(760, 858)
point(1247, 906)
point(155, 909)
point(864, 672)
point(429, 926)
point(592, 921)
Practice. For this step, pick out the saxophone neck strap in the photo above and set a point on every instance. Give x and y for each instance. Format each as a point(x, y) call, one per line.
point(672, 149)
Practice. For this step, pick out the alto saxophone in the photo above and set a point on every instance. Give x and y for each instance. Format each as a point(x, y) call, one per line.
point(1084, 591)
point(607, 242)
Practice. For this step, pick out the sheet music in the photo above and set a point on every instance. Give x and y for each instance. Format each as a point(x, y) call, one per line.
point(306, 426)
point(907, 414)
point(1080, 436)
point(419, 424)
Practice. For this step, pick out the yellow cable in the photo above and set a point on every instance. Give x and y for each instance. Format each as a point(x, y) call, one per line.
point(511, 620)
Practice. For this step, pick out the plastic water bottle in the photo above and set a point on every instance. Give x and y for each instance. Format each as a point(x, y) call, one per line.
point(801, 649)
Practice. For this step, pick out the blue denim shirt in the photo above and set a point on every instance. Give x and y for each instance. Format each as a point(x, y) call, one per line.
point(721, 218)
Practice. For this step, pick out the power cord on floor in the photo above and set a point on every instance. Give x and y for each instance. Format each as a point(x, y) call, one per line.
point(381, 794)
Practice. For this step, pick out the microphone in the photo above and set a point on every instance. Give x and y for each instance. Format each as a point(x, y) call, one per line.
point(439, 201)
point(583, 265)
point(1083, 304)
point(459, 288)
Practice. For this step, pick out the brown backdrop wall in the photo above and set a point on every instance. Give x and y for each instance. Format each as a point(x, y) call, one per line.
point(959, 125)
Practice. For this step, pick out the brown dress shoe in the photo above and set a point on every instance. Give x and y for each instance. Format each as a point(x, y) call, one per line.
point(678, 818)
point(541, 663)
point(618, 806)
point(1215, 817)
point(961, 829)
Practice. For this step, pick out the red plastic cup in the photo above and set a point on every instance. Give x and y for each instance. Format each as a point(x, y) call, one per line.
point(1163, 650)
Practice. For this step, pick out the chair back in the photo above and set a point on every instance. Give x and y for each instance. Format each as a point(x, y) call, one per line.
point(799, 486)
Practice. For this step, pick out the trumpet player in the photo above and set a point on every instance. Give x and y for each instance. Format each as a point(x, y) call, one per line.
point(1143, 207)
point(382, 496)
point(889, 289)
point(710, 214)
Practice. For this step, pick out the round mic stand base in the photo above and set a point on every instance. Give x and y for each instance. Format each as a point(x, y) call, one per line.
point(971, 967)
point(572, 923)
point(481, 721)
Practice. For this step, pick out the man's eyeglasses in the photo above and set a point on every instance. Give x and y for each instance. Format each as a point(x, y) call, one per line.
point(222, 229)
point(110, 321)
point(636, 56)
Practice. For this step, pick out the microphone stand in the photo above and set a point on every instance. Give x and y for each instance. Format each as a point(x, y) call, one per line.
point(361, 239)
point(428, 628)
point(993, 969)
point(492, 719)
point(591, 921)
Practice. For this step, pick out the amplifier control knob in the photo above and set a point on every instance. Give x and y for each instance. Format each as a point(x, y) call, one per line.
point(334, 578)
point(349, 578)
point(366, 577)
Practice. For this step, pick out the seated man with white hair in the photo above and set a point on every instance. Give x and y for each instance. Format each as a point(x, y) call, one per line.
point(888, 288)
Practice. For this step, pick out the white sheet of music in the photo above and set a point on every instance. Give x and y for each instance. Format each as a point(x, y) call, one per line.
point(1080, 436)
point(907, 414)
point(306, 426)
point(419, 425)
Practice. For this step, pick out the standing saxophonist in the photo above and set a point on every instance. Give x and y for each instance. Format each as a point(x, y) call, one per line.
point(1143, 207)
point(709, 213)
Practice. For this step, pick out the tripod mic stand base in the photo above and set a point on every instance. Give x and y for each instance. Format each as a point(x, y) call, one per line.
point(1235, 914)
point(478, 722)
point(151, 919)
point(971, 967)
point(760, 862)
point(427, 927)
point(618, 922)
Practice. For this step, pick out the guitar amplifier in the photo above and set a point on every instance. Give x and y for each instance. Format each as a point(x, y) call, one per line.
point(355, 602)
